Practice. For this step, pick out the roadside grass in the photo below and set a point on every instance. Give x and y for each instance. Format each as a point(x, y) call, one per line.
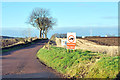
point(79, 64)
point(106, 67)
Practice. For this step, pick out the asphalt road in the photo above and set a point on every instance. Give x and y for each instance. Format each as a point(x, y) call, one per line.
point(23, 63)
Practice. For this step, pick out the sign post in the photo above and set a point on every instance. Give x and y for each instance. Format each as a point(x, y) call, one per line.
point(71, 41)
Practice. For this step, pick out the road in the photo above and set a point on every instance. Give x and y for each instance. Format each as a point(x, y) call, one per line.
point(23, 63)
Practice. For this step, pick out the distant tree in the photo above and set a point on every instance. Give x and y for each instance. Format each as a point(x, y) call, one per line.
point(40, 19)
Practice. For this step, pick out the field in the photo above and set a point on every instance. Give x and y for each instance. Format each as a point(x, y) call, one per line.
point(105, 45)
point(108, 41)
point(80, 64)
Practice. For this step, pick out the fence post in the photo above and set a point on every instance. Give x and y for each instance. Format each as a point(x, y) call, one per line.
point(67, 50)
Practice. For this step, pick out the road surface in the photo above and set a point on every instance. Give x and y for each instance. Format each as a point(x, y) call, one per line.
point(23, 63)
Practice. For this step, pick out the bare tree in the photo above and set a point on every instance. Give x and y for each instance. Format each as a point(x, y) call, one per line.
point(40, 19)
point(48, 23)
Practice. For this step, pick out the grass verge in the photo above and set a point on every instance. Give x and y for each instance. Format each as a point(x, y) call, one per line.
point(79, 64)
point(19, 46)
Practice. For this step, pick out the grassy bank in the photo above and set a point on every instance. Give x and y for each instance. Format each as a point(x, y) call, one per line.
point(79, 64)
point(19, 46)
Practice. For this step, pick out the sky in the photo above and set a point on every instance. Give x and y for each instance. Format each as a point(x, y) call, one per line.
point(84, 18)
point(60, 0)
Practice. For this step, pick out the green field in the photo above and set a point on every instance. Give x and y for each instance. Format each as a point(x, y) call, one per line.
point(79, 64)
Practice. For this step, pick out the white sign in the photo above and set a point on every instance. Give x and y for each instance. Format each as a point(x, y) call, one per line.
point(63, 42)
point(71, 40)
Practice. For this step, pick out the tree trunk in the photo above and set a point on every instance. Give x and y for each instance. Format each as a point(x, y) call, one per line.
point(45, 33)
point(40, 33)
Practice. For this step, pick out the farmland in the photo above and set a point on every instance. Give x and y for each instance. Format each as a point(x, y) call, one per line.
point(108, 41)
point(104, 45)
